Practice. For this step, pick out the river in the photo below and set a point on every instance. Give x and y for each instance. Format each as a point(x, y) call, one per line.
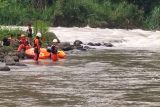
point(126, 75)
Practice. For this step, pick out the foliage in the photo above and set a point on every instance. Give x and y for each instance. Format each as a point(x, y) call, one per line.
point(7, 49)
point(40, 26)
point(48, 38)
point(6, 32)
point(96, 13)
point(153, 22)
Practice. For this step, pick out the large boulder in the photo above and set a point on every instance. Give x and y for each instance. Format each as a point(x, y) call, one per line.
point(66, 46)
point(2, 57)
point(19, 64)
point(4, 68)
point(108, 44)
point(91, 44)
point(97, 44)
point(16, 58)
point(77, 43)
point(94, 44)
point(9, 60)
point(15, 53)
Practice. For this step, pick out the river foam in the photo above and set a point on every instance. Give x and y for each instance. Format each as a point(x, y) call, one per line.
point(120, 38)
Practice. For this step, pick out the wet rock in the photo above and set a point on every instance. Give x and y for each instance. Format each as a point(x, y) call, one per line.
point(9, 60)
point(108, 44)
point(21, 54)
point(14, 43)
point(94, 44)
point(91, 44)
point(87, 47)
point(5, 68)
point(66, 46)
point(97, 44)
point(20, 64)
point(2, 58)
point(77, 43)
point(81, 48)
point(13, 53)
point(1, 43)
point(16, 58)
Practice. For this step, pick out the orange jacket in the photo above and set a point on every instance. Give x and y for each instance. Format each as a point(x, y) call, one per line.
point(23, 40)
point(37, 43)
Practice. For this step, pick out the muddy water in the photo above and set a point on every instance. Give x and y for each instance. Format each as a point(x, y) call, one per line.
point(95, 78)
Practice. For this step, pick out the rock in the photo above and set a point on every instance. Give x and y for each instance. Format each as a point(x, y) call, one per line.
point(108, 44)
point(14, 43)
point(16, 58)
point(97, 44)
point(1, 43)
point(9, 60)
point(20, 64)
point(94, 44)
point(66, 46)
point(91, 44)
point(21, 54)
point(13, 53)
point(5, 68)
point(2, 57)
point(87, 47)
point(81, 48)
point(77, 43)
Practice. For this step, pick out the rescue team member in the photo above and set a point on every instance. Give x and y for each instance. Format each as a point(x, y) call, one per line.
point(54, 50)
point(29, 34)
point(23, 43)
point(37, 46)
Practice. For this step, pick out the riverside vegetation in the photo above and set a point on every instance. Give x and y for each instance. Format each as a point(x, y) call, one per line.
point(142, 14)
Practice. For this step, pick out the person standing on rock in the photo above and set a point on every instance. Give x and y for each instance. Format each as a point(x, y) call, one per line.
point(29, 34)
point(37, 45)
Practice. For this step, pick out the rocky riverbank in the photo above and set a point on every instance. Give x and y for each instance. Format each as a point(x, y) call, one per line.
point(11, 57)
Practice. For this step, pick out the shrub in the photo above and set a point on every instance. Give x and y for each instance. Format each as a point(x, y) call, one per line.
point(153, 21)
point(40, 26)
point(5, 32)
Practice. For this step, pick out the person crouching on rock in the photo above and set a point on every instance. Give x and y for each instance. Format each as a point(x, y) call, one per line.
point(23, 43)
point(23, 46)
point(54, 50)
point(37, 45)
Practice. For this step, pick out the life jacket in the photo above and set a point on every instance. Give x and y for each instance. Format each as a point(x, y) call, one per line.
point(37, 43)
point(23, 41)
point(54, 49)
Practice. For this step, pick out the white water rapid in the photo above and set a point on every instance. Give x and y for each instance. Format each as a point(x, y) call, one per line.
point(120, 38)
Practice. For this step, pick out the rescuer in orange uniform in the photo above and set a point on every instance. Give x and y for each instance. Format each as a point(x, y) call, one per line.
point(37, 45)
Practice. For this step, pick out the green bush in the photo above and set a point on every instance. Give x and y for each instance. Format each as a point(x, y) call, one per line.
point(48, 38)
point(96, 13)
point(153, 21)
point(124, 12)
point(40, 26)
point(7, 49)
point(6, 32)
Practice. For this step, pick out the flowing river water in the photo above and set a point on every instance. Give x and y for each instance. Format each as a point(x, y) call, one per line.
point(126, 75)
